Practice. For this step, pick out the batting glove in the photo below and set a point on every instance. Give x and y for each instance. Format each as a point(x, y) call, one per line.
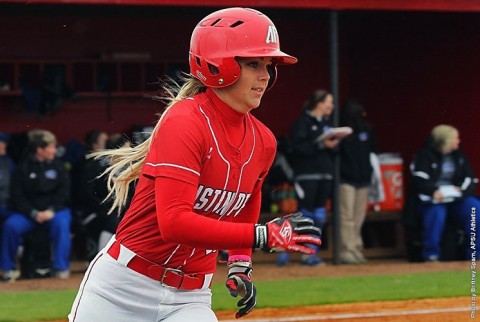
point(239, 283)
point(291, 233)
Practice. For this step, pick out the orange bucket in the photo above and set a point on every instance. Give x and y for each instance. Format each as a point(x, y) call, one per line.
point(391, 166)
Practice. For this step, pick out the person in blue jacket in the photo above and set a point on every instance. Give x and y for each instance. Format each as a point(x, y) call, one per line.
point(40, 193)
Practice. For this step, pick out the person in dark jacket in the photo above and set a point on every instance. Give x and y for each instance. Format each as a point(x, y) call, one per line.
point(40, 195)
point(355, 177)
point(313, 164)
point(88, 210)
point(95, 191)
point(444, 183)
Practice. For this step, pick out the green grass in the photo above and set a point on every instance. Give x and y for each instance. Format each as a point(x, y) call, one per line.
point(43, 305)
point(35, 305)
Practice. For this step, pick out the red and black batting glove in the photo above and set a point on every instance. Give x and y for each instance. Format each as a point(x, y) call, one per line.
point(239, 283)
point(290, 233)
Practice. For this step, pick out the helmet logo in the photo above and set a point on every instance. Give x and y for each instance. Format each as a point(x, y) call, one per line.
point(272, 35)
point(200, 75)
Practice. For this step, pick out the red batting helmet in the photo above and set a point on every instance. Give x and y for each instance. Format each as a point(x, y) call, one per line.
point(229, 33)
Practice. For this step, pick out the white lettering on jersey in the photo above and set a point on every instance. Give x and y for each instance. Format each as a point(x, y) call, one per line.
point(228, 201)
point(214, 198)
point(204, 198)
point(220, 201)
point(272, 35)
point(241, 201)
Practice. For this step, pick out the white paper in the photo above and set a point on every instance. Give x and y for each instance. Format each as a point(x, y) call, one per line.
point(449, 191)
point(335, 132)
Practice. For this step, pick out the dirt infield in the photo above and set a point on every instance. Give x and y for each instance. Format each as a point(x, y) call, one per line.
point(429, 310)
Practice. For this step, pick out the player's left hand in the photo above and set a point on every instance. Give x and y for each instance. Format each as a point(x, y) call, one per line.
point(291, 233)
point(239, 283)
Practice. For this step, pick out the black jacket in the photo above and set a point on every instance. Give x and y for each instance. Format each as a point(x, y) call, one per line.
point(308, 156)
point(93, 190)
point(426, 169)
point(354, 150)
point(37, 186)
point(6, 170)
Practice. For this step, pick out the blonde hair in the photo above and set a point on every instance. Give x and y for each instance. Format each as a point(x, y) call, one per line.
point(443, 136)
point(40, 138)
point(126, 162)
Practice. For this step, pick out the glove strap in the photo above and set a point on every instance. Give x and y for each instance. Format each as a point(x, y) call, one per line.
point(261, 237)
point(240, 267)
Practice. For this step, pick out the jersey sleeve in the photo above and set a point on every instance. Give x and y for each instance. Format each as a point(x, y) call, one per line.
point(179, 224)
point(177, 148)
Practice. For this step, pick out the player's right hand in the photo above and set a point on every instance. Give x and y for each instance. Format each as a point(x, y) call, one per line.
point(239, 283)
point(291, 233)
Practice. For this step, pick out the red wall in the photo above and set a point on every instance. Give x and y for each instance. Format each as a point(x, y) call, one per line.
point(411, 70)
point(414, 71)
point(45, 32)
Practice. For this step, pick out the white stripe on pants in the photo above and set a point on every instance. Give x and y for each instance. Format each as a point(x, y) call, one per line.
point(112, 292)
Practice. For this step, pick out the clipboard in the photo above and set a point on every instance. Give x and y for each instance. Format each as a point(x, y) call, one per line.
point(335, 133)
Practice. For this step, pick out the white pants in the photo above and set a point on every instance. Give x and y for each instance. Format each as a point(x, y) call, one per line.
point(112, 292)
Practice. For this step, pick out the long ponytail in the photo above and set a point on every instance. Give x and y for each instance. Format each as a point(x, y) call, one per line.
point(126, 162)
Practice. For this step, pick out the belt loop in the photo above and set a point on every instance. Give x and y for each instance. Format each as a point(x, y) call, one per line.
point(125, 255)
point(109, 244)
point(207, 282)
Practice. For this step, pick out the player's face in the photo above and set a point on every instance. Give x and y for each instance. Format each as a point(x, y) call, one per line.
point(246, 93)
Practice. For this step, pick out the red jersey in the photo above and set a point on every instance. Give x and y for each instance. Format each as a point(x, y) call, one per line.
point(204, 170)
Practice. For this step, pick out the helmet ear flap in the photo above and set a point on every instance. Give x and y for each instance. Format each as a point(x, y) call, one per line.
point(212, 73)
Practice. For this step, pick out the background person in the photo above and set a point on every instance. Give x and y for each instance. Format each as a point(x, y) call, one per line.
point(95, 140)
point(355, 177)
point(200, 175)
point(7, 167)
point(89, 193)
point(443, 183)
point(312, 162)
point(97, 191)
point(40, 195)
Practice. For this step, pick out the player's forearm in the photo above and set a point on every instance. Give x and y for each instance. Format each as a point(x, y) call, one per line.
point(192, 229)
point(179, 224)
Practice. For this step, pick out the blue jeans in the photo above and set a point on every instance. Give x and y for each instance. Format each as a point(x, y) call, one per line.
point(434, 217)
point(319, 217)
point(59, 231)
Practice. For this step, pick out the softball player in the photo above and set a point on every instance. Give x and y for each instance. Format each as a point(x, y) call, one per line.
point(199, 189)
